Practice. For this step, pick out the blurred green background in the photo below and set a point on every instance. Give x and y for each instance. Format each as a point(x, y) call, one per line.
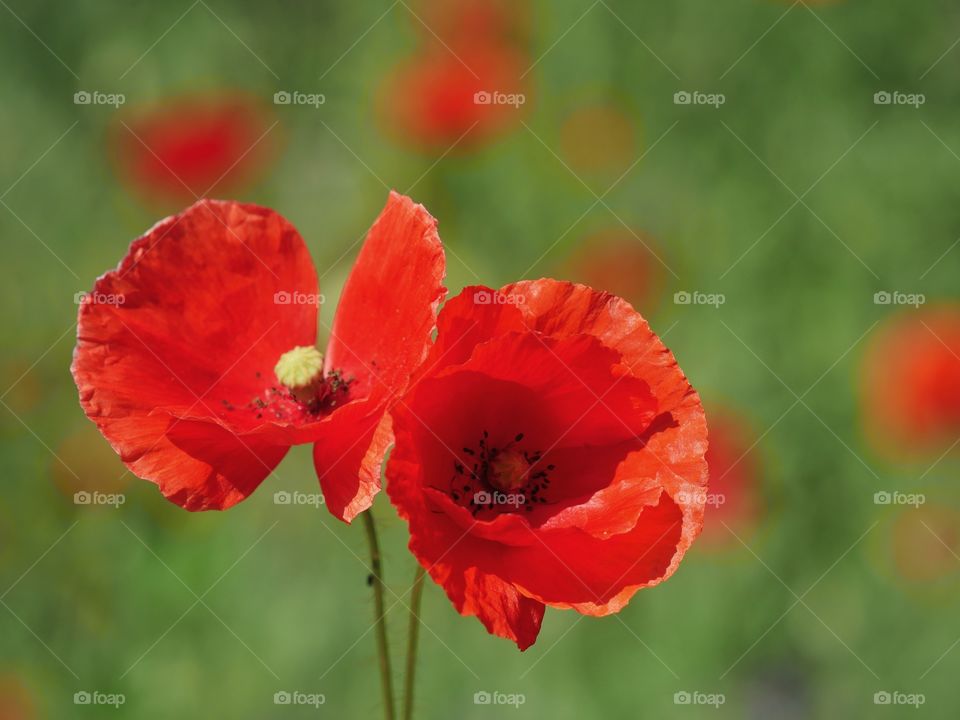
point(796, 199)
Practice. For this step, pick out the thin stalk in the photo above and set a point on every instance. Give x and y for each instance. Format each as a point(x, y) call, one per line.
point(376, 565)
point(413, 635)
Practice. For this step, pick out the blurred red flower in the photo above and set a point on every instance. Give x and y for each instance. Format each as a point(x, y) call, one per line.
point(16, 701)
point(440, 96)
point(194, 146)
point(196, 357)
point(911, 383)
point(622, 262)
point(551, 452)
point(734, 501)
point(460, 23)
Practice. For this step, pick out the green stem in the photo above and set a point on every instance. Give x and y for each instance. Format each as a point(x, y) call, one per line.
point(413, 635)
point(376, 565)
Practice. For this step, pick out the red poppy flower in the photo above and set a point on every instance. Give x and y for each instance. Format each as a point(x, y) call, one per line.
point(911, 383)
point(194, 146)
point(437, 98)
point(196, 357)
point(550, 452)
point(460, 23)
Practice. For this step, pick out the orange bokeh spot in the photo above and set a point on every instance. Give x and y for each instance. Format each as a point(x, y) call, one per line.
point(21, 386)
point(86, 462)
point(926, 542)
point(15, 700)
point(911, 383)
point(599, 140)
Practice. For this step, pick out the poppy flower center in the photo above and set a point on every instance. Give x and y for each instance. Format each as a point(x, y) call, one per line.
point(508, 470)
point(304, 390)
point(504, 478)
point(299, 368)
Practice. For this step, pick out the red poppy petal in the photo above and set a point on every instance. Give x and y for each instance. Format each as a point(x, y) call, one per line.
point(576, 389)
point(381, 333)
point(189, 326)
point(215, 469)
point(545, 390)
point(444, 550)
point(502, 609)
point(563, 570)
point(558, 568)
point(348, 458)
point(468, 319)
point(388, 309)
point(675, 455)
point(197, 465)
point(618, 482)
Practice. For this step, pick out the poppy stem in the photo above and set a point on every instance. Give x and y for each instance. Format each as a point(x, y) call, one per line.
point(416, 592)
point(376, 566)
